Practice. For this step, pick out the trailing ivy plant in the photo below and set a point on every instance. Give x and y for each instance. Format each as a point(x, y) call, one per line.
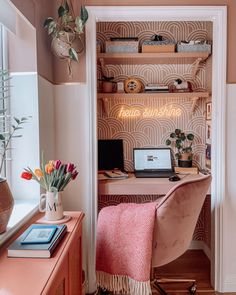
point(67, 23)
point(182, 142)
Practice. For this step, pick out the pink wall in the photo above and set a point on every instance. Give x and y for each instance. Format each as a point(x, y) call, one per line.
point(37, 11)
point(25, 41)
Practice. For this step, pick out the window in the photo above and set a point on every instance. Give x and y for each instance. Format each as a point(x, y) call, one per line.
point(3, 94)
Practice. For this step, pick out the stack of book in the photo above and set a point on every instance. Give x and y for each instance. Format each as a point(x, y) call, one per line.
point(156, 88)
point(38, 241)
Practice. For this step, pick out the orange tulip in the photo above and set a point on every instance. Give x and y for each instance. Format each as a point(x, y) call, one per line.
point(49, 168)
point(38, 173)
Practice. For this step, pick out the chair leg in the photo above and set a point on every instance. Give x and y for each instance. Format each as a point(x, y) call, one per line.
point(156, 284)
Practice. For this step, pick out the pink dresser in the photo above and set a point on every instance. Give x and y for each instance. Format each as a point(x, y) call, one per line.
point(59, 275)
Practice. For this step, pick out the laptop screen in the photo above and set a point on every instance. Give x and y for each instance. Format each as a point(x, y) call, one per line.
point(152, 159)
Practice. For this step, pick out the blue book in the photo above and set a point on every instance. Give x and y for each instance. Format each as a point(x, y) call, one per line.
point(22, 247)
point(39, 234)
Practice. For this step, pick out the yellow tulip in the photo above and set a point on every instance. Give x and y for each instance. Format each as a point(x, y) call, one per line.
point(38, 173)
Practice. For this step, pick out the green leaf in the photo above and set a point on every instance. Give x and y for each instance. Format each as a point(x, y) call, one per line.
point(73, 54)
point(79, 25)
point(190, 137)
point(182, 136)
point(83, 14)
point(62, 11)
point(52, 27)
point(172, 135)
point(17, 128)
point(177, 156)
point(17, 120)
point(168, 142)
point(177, 131)
point(67, 8)
point(47, 22)
point(2, 137)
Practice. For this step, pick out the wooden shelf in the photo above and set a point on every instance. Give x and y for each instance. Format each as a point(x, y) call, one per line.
point(154, 95)
point(151, 58)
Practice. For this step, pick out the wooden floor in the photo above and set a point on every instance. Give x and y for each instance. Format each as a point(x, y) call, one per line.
point(194, 264)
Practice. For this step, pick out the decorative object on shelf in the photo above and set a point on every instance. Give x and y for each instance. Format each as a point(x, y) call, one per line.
point(120, 87)
point(108, 86)
point(8, 131)
point(157, 44)
point(122, 44)
point(181, 86)
point(156, 88)
point(53, 176)
point(183, 143)
point(208, 110)
point(133, 85)
point(67, 33)
point(194, 46)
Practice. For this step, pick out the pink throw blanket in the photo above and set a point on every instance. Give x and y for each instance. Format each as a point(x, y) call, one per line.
point(124, 248)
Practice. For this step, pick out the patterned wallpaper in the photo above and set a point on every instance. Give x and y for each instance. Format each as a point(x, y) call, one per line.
point(150, 131)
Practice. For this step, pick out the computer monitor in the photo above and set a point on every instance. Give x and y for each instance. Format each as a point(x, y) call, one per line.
point(110, 154)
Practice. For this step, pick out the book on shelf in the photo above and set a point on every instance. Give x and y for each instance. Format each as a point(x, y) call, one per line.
point(116, 174)
point(37, 241)
point(186, 170)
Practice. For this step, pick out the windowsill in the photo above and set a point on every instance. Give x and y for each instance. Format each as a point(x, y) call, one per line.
point(23, 210)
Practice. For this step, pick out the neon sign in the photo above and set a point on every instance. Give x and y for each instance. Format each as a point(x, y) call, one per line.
point(165, 111)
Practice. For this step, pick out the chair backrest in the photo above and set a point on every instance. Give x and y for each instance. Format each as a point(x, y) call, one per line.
point(176, 218)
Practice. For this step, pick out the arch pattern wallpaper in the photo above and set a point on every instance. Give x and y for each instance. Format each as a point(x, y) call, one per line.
point(148, 121)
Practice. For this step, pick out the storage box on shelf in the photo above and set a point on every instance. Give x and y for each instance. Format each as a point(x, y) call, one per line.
point(158, 46)
point(122, 46)
point(189, 47)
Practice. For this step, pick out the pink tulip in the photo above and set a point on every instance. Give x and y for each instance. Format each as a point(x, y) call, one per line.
point(74, 174)
point(70, 167)
point(57, 164)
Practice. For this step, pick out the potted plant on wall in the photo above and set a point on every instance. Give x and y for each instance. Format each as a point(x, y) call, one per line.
point(183, 143)
point(8, 131)
point(67, 32)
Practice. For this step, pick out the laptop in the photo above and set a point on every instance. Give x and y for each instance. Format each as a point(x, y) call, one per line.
point(153, 162)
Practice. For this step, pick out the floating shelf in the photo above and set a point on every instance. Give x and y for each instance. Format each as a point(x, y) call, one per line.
point(151, 58)
point(154, 95)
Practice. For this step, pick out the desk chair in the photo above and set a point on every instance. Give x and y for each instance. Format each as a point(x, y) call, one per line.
point(176, 217)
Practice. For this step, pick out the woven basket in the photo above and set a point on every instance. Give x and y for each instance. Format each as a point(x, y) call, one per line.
point(6, 204)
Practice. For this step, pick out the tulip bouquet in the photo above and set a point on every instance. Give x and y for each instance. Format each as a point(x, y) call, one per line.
point(52, 175)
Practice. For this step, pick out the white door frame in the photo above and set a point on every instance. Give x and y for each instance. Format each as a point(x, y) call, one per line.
point(216, 14)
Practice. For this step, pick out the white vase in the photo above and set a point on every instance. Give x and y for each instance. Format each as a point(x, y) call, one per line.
point(51, 204)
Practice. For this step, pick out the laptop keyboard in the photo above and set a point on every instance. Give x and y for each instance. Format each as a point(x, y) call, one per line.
point(153, 174)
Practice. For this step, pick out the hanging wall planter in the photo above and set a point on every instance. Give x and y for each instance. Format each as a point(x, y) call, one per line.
point(67, 33)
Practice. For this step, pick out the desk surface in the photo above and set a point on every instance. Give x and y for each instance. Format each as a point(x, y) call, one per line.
point(140, 186)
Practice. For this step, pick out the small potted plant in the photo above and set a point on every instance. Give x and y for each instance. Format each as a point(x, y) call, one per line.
point(108, 85)
point(183, 143)
point(67, 32)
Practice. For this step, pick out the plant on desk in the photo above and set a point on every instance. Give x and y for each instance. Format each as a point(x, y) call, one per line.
point(53, 176)
point(183, 143)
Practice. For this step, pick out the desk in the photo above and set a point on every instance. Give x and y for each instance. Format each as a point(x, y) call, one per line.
point(61, 274)
point(140, 186)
